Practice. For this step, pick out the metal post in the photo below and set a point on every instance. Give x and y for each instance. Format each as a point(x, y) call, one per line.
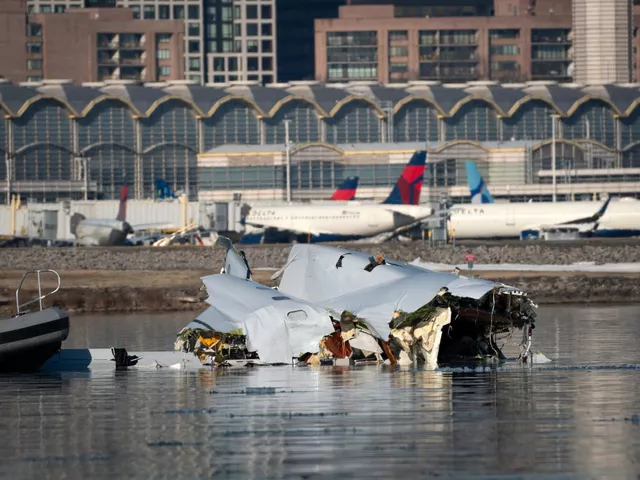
point(553, 154)
point(589, 154)
point(7, 161)
point(85, 176)
point(288, 158)
point(588, 129)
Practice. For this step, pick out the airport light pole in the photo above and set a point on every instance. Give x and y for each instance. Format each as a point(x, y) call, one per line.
point(553, 154)
point(287, 153)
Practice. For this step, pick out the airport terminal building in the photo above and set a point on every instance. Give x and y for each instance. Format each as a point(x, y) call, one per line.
point(218, 143)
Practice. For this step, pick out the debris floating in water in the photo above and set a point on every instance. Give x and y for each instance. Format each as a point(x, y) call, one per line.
point(260, 391)
point(340, 307)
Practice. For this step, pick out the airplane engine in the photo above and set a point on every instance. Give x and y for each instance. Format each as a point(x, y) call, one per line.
point(76, 218)
point(126, 228)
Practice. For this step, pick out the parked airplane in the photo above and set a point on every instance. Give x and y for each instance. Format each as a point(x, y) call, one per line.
point(346, 191)
point(327, 222)
point(530, 220)
point(105, 232)
point(477, 185)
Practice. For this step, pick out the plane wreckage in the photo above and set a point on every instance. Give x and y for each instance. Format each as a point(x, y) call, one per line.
point(336, 306)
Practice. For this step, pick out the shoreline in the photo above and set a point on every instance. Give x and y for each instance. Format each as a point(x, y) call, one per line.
point(108, 291)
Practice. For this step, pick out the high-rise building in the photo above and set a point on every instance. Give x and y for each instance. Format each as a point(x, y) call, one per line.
point(240, 41)
point(88, 45)
point(380, 43)
point(224, 40)
point(13, 60)
point(602, 35)
point(295, 42)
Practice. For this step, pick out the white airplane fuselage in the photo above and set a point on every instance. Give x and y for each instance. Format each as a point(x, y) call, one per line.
point(508, 220)
point(332, 222)
point(102, 232)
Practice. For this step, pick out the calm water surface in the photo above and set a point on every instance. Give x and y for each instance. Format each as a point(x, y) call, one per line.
point(577, 417)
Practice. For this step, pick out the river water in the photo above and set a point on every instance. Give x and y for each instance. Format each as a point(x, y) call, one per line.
point(577, 417)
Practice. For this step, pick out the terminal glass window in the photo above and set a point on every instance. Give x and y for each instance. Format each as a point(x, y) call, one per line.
point(352, 56)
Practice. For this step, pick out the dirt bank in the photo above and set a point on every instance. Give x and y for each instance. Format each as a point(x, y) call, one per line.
point(92, 291)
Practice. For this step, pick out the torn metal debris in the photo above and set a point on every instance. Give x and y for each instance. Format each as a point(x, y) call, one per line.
point(335, 305)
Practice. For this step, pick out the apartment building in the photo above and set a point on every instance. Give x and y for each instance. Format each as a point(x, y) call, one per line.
point(380, 43)
point(224, 40)
point(88, 45)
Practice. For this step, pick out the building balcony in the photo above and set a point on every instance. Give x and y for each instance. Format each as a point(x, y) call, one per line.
point(551, 42)
point(108, 45)
point(131, 46)
point(132, 61)
point(450, 59)
point(449, 43)
point(560, 59)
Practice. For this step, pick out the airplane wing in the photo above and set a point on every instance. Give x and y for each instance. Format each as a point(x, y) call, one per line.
point(593, 218)
point(584, 225)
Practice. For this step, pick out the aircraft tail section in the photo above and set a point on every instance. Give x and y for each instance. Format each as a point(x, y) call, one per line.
point(477, 186)
point(163, 190)
point(122, 211)
point(236, 263)
point(407, 189)
point(346, 191)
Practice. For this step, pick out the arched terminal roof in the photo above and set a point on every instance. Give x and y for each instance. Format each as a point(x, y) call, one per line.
point(326, 99)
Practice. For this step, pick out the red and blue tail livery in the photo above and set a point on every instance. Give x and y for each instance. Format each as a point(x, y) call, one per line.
point(407, 189)
point(346, 191)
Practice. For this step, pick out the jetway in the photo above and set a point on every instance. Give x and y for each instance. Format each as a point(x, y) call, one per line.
point(52, 221)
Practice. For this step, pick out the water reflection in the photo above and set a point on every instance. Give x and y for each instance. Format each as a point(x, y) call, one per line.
point(373, 421)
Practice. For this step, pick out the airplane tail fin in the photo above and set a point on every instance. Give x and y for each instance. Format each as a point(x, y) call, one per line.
point(346, 191)
point(407, 189)
point(163, 190)
point(477, 186)
point(122, 211)
point(75, 220)
point(235, 263)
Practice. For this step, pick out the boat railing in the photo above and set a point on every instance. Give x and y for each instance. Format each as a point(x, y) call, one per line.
point(40, 297)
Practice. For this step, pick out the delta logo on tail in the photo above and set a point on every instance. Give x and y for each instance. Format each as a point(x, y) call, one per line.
point(407, 189)
point(477, 186)
point(346, 191)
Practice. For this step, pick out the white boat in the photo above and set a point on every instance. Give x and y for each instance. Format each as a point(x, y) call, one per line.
point(33, 335)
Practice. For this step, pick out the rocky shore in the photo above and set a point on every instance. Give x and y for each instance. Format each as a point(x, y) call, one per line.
point(203, 258)
point(146, 279)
